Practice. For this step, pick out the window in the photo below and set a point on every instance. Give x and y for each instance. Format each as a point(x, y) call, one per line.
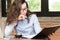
point(34, 5)
point(46, 8)
point(54, 5)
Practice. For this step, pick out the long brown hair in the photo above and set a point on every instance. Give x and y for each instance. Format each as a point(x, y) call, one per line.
point(14, 11)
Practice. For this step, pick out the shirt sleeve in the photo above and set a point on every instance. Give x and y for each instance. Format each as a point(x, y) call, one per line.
point(37, 26)
point(9, 29)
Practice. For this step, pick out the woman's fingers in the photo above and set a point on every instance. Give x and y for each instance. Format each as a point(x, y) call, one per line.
point(51, 36)
point(21, 17)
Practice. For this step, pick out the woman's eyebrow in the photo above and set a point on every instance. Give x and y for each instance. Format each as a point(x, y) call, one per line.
point(24, 8)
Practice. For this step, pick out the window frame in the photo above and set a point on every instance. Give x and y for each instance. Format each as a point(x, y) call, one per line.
point(44, 10)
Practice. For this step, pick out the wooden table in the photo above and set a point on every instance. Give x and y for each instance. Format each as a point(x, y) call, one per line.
point(19, 39)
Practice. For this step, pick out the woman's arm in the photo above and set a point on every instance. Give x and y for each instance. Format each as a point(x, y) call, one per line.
point(9, 29)
point(37, 26)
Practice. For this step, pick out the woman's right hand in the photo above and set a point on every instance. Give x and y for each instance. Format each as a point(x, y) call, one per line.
point(21, 17)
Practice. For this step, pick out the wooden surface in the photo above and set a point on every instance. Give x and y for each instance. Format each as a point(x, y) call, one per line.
point(46, 24)
point(18, 39)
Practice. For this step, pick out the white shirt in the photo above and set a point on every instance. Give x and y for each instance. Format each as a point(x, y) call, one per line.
point(28, 30)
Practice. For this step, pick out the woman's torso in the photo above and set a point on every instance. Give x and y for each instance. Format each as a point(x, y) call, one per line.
point(25, 28)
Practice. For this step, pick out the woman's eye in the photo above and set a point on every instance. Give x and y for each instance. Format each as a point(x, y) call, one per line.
point(21, 16)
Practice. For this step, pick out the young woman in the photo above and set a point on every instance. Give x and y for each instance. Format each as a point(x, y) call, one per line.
point(20, 18)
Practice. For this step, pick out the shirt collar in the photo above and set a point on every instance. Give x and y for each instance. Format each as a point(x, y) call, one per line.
point(25, 17)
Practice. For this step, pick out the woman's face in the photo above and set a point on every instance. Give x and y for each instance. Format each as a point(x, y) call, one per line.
point(23, 9)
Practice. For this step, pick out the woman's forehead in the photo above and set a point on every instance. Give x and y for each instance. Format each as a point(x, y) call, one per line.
point(23, 6)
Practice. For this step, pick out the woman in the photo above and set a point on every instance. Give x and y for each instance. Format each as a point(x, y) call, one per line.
point(20, 18)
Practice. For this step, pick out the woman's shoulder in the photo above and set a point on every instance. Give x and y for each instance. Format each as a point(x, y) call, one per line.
point(33, 15)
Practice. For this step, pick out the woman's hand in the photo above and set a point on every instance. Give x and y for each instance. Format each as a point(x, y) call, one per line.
point(21, 17)
point(51, 36)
